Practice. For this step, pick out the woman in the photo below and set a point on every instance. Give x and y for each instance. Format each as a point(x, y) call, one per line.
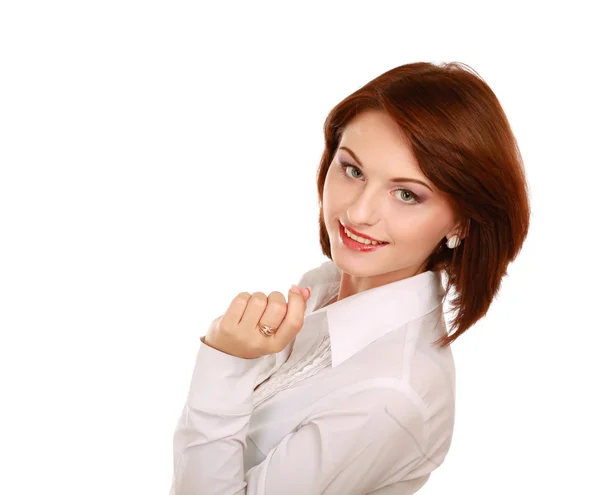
point(348, 387)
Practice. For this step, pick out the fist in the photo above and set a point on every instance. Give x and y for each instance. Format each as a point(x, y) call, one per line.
point(236, 332)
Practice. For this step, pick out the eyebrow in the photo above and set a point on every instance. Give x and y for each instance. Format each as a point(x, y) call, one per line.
point(395, 179)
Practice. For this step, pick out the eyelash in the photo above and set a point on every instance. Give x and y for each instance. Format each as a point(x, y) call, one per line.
point(344, 165)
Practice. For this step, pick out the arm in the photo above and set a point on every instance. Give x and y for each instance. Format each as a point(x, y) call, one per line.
point(343, 449)
point(211, 431)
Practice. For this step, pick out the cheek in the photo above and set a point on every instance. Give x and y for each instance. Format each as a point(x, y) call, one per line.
point(326, 193)
point(333, 179)
point(420, 228)
point(332, 190)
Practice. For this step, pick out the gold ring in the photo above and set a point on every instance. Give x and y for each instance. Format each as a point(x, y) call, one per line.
point(266, 330)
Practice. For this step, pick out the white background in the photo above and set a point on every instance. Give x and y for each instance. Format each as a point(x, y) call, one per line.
point(157, 158)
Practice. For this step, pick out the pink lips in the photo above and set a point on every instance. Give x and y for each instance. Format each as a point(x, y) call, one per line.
point(355, 245)
point(360, 234)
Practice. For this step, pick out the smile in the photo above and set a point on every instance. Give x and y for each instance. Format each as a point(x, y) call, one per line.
point(358, 243)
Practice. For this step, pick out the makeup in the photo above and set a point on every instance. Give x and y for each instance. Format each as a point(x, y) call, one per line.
point(355, 245)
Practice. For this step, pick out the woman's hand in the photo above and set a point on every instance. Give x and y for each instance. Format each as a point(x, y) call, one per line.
point(236, 332)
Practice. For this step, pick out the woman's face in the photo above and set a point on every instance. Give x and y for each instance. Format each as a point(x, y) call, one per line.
point(412, 218)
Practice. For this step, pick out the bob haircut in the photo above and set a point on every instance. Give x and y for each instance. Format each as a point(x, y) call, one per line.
point(464, 145)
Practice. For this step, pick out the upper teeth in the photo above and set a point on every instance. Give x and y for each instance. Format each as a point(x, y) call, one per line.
point(360, 239)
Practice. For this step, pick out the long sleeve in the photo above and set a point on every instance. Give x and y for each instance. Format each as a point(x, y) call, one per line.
point(211, 431)
point(361, 440)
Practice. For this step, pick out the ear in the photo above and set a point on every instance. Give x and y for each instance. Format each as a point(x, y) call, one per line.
point(461, 229)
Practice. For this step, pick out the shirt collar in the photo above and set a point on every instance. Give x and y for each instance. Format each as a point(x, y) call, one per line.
point(357, 320)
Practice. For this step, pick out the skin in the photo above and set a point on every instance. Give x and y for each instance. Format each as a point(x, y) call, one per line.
point(236, 332)
point(364, 198)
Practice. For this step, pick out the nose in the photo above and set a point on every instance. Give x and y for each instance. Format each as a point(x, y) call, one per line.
point(364, 209)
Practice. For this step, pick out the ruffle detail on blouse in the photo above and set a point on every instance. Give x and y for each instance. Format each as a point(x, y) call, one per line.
point(316, 359)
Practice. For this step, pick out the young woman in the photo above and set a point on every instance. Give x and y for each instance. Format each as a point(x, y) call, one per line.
point(348, 386)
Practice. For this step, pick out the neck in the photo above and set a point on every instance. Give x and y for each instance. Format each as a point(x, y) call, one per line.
point(332, 300)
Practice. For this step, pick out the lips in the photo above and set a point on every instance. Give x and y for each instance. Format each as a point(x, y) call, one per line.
point(360, 234)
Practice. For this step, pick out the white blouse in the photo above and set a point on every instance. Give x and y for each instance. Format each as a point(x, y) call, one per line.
point(360, 402)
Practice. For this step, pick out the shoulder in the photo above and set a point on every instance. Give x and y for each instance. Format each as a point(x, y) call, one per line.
point(324, 272)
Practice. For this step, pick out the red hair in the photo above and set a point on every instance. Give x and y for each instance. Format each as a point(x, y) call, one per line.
point(464, 145)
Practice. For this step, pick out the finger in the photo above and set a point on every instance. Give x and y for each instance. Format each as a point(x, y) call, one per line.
point(275, 311)
point(235, 311)
point(293, 321)
point(254, 310)
point(306, 291)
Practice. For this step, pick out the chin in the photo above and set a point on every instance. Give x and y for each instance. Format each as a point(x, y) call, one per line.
point(354, 265)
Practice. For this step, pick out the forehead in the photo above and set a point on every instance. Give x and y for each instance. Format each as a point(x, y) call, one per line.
point(378, 141)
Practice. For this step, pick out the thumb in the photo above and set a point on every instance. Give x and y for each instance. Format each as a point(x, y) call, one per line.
point(304, 291)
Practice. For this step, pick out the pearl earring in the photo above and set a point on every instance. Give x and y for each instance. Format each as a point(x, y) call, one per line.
point(453, 242)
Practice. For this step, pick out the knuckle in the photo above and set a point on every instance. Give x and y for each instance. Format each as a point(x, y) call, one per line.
point(277, 303)
point(278, 307)
point(276, 296)
point(259, 298)
point(242, 296)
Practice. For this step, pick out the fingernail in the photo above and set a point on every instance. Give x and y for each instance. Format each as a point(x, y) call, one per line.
point(295, 289)
point(306, 292)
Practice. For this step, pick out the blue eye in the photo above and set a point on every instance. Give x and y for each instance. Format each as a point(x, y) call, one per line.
point(345, 165)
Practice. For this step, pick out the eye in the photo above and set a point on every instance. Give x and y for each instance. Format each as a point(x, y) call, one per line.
point(345, 166)
point(410, 193)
